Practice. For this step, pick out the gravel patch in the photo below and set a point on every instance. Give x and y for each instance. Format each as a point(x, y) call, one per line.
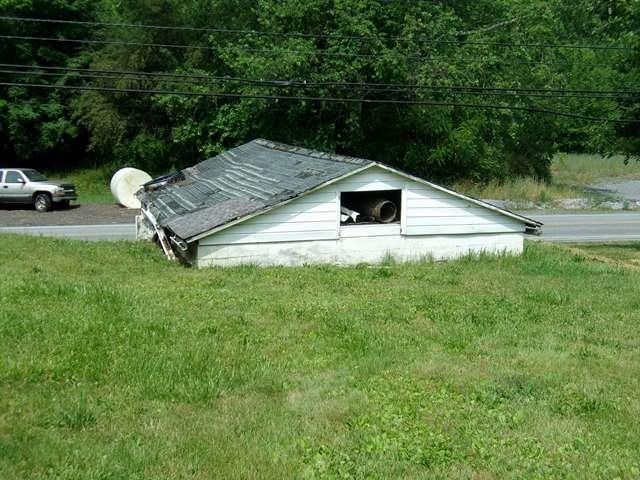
point(90, 214)
point(629, 189)
point(574, 203)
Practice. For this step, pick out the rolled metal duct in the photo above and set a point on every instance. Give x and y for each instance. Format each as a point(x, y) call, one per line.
point(381, 209)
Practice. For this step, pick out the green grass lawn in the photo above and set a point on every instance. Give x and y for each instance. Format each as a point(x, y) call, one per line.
point(571, 173)
point(92, 183)
point(118, 365)
point(626, 253)
point(520, 190)
point(584, 169)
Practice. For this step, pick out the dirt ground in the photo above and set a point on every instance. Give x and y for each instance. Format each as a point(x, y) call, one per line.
point(89, 214)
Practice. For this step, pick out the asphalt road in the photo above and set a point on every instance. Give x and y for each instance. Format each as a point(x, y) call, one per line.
point(588, 227)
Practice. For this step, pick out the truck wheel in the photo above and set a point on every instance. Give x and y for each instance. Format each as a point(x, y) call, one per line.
point(42, 202)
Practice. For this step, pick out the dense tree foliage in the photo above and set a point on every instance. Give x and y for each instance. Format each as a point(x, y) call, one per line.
point(407, 42)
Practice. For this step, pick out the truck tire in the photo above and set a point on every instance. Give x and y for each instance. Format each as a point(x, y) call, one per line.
point(42, 202)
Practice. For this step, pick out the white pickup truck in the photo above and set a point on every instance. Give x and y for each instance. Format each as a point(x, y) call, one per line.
point(28, 186)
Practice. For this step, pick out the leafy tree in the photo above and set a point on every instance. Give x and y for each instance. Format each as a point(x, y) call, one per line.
point(406, 43)
point(36, 126)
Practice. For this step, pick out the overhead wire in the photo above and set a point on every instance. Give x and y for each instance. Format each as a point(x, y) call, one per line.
point(289, 82)
point(274, 51)
point(229, 95)
point(362, 87)
point(368, 87)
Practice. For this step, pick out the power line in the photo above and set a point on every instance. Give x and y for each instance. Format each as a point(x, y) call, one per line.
point(422, 39)
point(366, 88)
point(322, 99)
point(106, 42)
point(414, 57)
point(311, 83)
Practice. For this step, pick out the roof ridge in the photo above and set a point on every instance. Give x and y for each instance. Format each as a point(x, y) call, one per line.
point(334, 157)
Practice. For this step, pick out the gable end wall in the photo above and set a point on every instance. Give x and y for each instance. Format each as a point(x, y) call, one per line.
point(307, 230)
point(426, 211)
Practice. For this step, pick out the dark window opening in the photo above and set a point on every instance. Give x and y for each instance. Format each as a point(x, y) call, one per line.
point(380, 206)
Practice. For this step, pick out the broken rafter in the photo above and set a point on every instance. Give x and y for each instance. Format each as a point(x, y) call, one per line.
point(162, 237)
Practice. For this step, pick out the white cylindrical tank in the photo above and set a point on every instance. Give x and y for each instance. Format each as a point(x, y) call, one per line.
point(125, 183)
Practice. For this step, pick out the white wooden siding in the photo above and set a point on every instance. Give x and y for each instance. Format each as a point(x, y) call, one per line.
point(425, 211)
point(374, 178)
point(369, 230)
point(312, 217)
point(348, 251)
point(433, 212)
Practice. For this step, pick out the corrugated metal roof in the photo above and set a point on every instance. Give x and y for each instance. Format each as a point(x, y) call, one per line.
point(238, 182)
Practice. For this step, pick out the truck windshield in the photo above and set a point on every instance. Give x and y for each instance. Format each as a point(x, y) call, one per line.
point(34, 175)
